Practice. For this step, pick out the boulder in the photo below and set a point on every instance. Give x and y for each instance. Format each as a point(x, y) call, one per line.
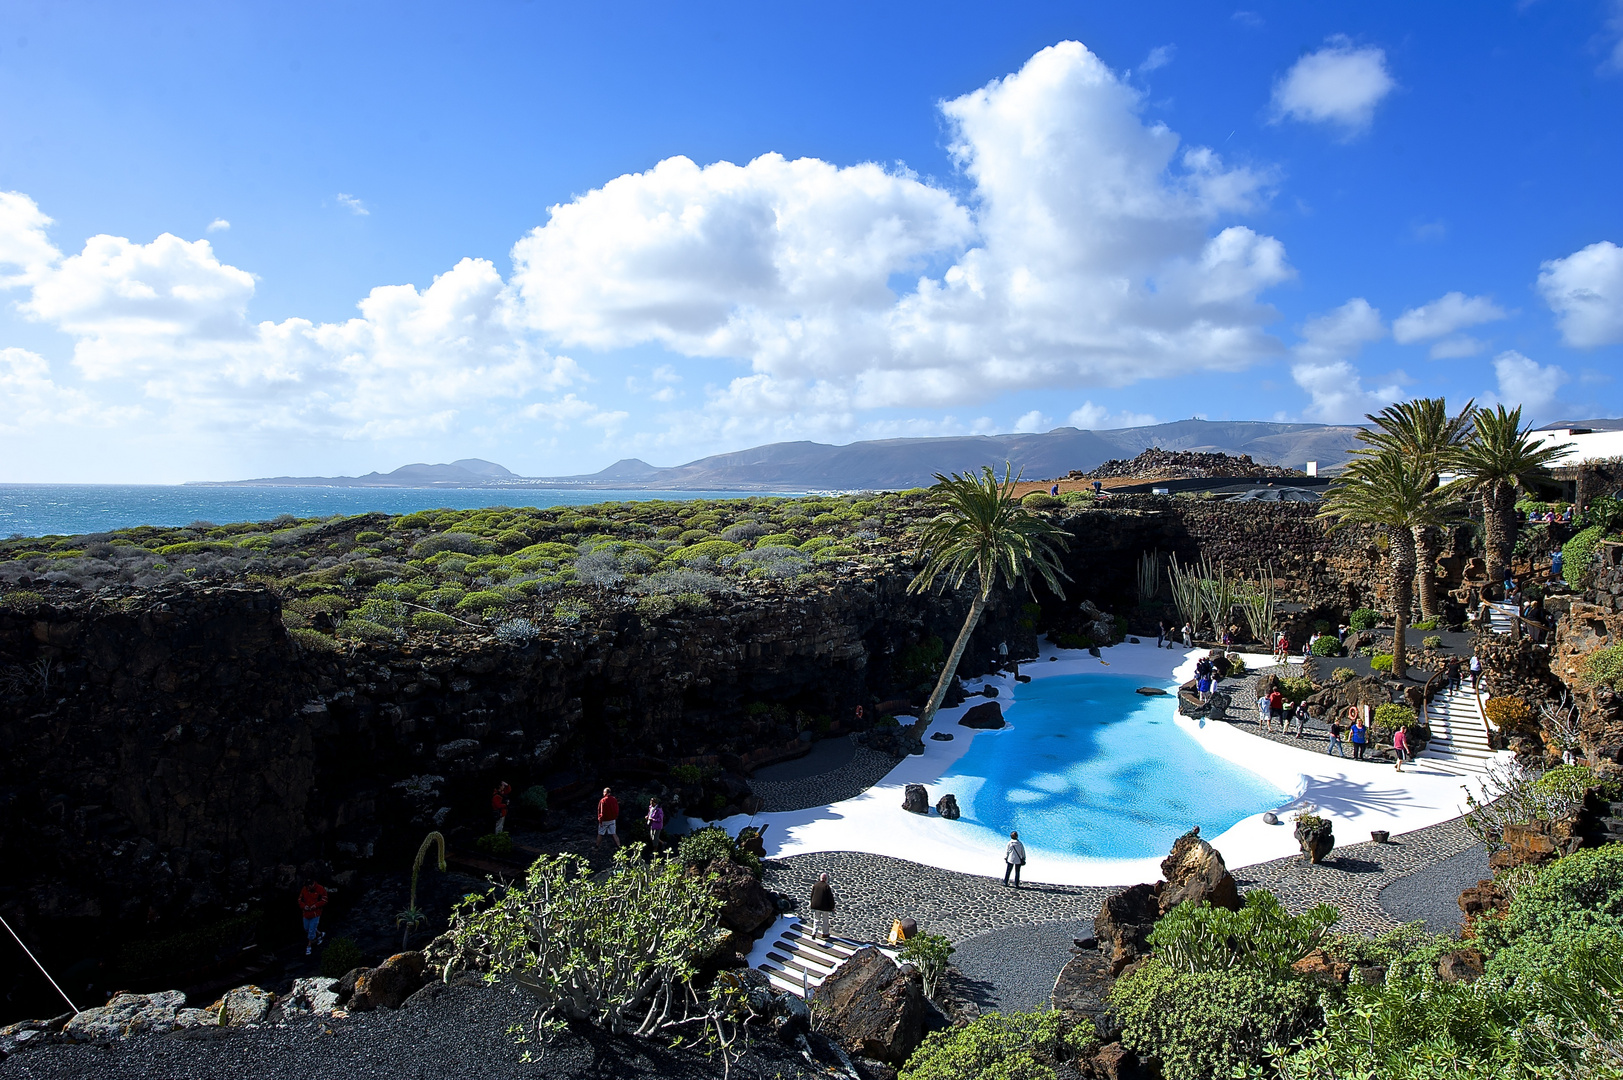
point(1194, 871)
point(746, 907)
point(389, 984)
point(126, 1015)
point(29, 1032)
point(941, 736)
point(1124, 922)
point(344, 988)
point(1151, 691)
point(947, 807)
point(1460, 966)
point(244, 1005)
point(915, 800)
point(1321, 967)
point(1081, 992)
point(988, 715)
point(1113, 1061)
point(871, 1007)
point(310, 997)
point(1316, 841)
point(1483, 898)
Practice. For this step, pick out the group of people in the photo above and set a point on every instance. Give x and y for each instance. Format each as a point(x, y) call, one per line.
point(1170, 637)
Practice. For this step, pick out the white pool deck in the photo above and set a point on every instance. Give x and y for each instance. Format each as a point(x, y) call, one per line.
point(1355, 796)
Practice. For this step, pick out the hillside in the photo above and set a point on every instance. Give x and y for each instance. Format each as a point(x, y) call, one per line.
point(894, 464)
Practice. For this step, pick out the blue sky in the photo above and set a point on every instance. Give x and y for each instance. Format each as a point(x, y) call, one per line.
point(241, 240)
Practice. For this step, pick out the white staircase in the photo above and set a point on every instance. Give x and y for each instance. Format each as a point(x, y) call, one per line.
point(797, 962)
point(1502, 618)
point(1459, 736)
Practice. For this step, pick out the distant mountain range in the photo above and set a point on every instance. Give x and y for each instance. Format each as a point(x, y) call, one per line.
point(890, 464)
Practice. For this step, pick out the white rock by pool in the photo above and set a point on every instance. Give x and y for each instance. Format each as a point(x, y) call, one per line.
point(1099, 781)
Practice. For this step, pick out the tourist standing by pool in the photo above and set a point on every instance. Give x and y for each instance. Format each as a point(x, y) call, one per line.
point(1160, 633)
point(1262, 712)
point(1357, 736)
point(1014, 857)
point(1188, 636)
point(1335, 739)
point(1400, 746)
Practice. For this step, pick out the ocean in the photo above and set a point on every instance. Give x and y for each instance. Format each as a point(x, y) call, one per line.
point(69, 509)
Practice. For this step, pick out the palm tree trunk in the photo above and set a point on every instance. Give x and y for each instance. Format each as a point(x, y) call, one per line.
point(949, 672)
point(1425, 550)
point(1497, 542)
point(1401, 544)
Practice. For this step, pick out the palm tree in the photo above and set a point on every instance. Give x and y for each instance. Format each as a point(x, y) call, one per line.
point(1392, 491)
point(1423, 430)
point(982, 528)
point(1496, 459)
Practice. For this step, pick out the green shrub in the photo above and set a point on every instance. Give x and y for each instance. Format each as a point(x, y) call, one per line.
point(621, 947)
point(1323, 626)
point(930, 954)
point(534, 798)
point(999, 1046)
point(313, 640)
point(1432, 641)
point(1343, 675)
point(1578, 553)
point(1209, 1024)
point(433, 621)
point(1579, 890)
point(1261, 937)
point(1326, 645)
point(1424, 624)
point(499, 844)
point(1605, 513)
point(483, 600)
point(1295, 687)
point(1363, 619)
point(1236, 665)
point(1380, 662)
point(1508, 713)
point(1391, 716)
point(714, 550)
point(368, 537)
point(656, 607)
point(194, 547)
point(21, 600)
point(341, 956)
point(704, 846)
point(1569, 782)
point(365, 630)
point(1041, 500)
point(1603, 667)
point(1071, 498)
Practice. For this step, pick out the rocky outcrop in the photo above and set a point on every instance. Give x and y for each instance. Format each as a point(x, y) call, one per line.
point(1460, 965)
point(137, 1014)
point(1321, 967)
point(947, 807)
point(243, 1006)
point(915, 800)
point(746, 907)
point(1195, 873)
point(987, 716)
point(872, 1007)
point(1124, 923)
point(1483, 899)
point(389, 984)
point(1082, 992)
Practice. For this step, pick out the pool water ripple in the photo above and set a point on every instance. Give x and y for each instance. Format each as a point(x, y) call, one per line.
point(1088, 767)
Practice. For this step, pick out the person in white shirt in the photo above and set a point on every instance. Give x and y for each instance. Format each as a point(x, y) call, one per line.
point(1014, 857)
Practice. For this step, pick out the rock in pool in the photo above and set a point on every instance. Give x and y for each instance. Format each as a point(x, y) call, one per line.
point(989, 715)
point(1151, 691)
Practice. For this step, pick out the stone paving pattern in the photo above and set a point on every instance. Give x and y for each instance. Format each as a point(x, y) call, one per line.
point(865, 769)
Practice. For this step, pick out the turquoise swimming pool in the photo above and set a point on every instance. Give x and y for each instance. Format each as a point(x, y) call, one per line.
point(1088, 767)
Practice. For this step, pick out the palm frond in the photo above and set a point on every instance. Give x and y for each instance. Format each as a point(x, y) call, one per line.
point(983, 530)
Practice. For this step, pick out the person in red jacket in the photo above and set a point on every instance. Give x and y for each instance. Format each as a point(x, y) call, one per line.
point(312, 901)
point(608, 815)
point(500, 800)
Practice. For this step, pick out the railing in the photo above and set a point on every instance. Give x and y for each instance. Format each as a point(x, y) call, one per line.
point(1511, 612)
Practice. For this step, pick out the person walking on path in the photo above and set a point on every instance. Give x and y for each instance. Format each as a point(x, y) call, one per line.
point(1335, 746)
point(1357, 737)
point(656, 821)
point(1188, 636)
point(608, 817)
point(1014, 857)
point(500, 800)
point(1160, 633)
point(822, 907)
point(1400, 746)
point(1262, 712)
point(312, 902)
point(1476, 671)
point(1276, 709)
point(1453, 673)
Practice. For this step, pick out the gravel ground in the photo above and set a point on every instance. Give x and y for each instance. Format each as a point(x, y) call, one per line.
point(835, 769)
point(1015, 968)
point(463, 1034)
point(1431, 895)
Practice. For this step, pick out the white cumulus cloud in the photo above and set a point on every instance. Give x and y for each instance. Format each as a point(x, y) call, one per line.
point(26, 250)
point(1444, 318)
point(1339, 84)
point(219, 224)
point(1084, 253)
point(352, 204)
point(1091, 417)
point(1525, 382)
point(1585, 290)
point(1324, 367)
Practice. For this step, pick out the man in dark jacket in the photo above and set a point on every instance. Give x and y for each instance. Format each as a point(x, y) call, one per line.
point(822, 907)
